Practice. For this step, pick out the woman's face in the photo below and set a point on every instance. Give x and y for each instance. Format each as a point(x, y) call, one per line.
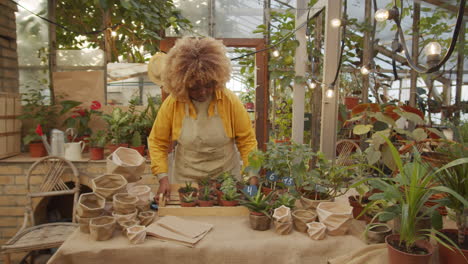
point(200, 92)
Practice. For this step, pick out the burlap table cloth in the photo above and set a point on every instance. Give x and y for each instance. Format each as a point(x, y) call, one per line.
point(231, 241)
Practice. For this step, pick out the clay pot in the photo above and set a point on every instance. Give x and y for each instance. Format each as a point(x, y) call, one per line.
point(396, 256)
point(37, 150)
point(377, 233)
point(96, 153)
point(202, 203)
point(301, 218)
point(259, 221)
point(450, 256)
point(192, 204)
point(229, 203)
point(351, 102)
point(357, 207)
point(140, 149)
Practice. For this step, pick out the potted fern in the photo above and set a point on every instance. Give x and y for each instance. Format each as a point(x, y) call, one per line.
point(229, 192)
point(97, 142)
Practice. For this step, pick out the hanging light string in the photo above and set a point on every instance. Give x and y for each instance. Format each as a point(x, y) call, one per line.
point(281, 40)
point(453, 42)
point(343, 33)
point(94, 32)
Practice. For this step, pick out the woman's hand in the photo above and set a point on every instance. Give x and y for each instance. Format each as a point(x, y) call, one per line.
point(164, 188)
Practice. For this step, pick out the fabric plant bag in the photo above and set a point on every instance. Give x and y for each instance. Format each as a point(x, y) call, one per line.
point(316, 230)
point(282, 220)
point(102, 228)
point(124, 203)
point(127, 162)
point(146, 218)
point(136, 234)
point(335, 216)
point(109, 184)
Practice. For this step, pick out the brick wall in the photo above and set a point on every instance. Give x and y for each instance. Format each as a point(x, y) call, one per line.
point(8, 54)
point(13, 190)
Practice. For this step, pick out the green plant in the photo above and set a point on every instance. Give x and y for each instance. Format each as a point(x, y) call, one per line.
point(188, 188)
point(118, 125)
point(98, 139)
point(228, 187)
point(39, 110)
point(205, 194)
point(136, 140)
point(81, 116)
point(188, 198)
point(407, 193)
point(285, 199)
point(259, 203)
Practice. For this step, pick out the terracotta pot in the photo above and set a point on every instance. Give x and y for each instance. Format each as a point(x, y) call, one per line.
point(259, 221)
point(249, 106)
point(113, 147)
point(266, 190)
point(202, 203)
point(396, 256)
point(85, 139)
point(451, 256)
point(140, 149)
point(37, 150)
point(96, 153)
point(351, 102)
point(229, 203)
point(192, 204)
point(357, 207)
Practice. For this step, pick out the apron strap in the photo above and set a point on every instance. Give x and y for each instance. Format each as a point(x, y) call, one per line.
point(186, 109)
point(215, 108)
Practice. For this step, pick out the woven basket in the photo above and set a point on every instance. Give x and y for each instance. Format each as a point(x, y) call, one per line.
point(124, 203)
point(147, 217)
point(84, 223)
point(142, 192)
point(136, 234)
point(90, 205)
point(127, 224)
point(102, 228)
point(125, 217)
point(109, 184)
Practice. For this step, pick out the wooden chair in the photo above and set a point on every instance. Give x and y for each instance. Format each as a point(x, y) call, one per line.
point(30, 236)
point(344, 149)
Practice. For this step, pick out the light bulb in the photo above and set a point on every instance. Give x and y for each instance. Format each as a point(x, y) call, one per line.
point(381, 15)
point(336, 22)
point(330, 93)
point(364, 70)
point(433, 48)
point(275, 53)
point(113, 33)
point(312, 85)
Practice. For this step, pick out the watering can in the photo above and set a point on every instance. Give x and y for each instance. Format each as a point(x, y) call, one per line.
point(73, 150)
point(57, 141)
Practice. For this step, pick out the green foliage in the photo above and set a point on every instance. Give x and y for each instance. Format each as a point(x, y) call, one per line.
point(259, 203)
point(229, 189)
point(98, 139)
point(141, 24)
point(136, 140)
point(285, 199)
point(205, 194)
point(188, 198)
point(188, 188)
point(118, 125)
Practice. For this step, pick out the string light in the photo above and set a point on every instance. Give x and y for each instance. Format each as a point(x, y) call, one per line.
point(114, 34)
point(275, 53)
point(381, 15)
point(330, 93)
point(336, 22)
point(365, 70)
point(312, 85)
point(432, 51)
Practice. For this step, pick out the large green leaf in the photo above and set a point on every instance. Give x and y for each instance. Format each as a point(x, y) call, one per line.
point(362, 129)
point(384, 118)
point(419, 134)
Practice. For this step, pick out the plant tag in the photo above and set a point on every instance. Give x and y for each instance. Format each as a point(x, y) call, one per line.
point(251, 190)
point(288, 181)
point(271, 176)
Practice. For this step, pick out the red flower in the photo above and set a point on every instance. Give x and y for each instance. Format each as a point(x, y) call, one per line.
point(74, 116)
point(81, 112)
point(95, 105)
point(39, 130)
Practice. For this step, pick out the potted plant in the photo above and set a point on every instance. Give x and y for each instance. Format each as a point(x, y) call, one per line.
point(97, 142)
point(285, 199)
point(205, 197)
point(80, 118)
point(229, 192)
point(455, 178)
point(40, 115)
point(118, 123)
point(260, 210)
point(188, 200)
point(407, 192)
point(136, 143)
point(186, 190)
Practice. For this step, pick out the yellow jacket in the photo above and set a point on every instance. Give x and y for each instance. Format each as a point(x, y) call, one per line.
point(168, 123)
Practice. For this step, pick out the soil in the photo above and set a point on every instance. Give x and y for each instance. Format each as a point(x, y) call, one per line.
point(413, 250)
point(454, 238)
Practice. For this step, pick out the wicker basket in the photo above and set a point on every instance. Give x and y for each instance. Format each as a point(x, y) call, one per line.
point(147, 217)
point(136, 234)
point(124, 203)
point(102, 228)
point(109, 184)
point(125, 217)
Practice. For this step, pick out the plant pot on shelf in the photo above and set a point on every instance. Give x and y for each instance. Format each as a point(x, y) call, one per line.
point(140, 149)
point(96, 153)
point(113, 147)
point(452, 255)
point(351, 102)
point(37, 149)
point(203, 203)
point(259, 221)
point(229, 203)
point(396, 256)
point(192, 204)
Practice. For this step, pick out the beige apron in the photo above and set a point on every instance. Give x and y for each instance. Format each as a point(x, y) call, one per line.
point(203, 148)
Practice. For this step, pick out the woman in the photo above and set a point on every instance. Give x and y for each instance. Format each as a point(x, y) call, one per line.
point(205, 119)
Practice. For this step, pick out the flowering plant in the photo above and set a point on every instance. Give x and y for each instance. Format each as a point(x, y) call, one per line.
point(81, 116)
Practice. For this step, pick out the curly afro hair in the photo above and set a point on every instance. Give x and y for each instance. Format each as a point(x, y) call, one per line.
point(192, 61)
